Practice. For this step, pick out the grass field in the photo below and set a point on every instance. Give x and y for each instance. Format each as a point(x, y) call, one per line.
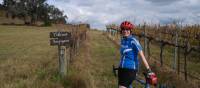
point(93, 66)
point(26, 58)
point(28, 61)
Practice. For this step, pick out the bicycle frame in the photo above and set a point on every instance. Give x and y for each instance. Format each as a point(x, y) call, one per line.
point(143, 82)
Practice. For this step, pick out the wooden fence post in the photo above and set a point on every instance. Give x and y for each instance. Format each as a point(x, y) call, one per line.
point(61, 53)
point(185, 63)
point(175, 49)
point(62, 40)
point(161, 53)
point(145, 40)
point(67, 55)
point(148, 48)
point(187, 51)
point(179, 62)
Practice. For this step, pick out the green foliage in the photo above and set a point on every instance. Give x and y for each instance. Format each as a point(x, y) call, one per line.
point(47, 23)
point(56, 77)
point(34, 10)
point(41, 73)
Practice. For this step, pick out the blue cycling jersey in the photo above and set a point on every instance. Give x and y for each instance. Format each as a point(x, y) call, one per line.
point(129, 52)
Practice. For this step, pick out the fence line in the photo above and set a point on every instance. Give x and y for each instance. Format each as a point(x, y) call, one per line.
point(68, 45)
point(78, 37)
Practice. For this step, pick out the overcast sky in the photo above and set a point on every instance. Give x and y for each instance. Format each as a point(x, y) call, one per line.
point(101, 12)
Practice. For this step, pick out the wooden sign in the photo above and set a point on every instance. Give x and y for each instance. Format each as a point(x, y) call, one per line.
point(60, 34)
point(60, 38)
point(54, 42)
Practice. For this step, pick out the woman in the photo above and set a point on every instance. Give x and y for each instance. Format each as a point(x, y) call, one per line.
point(130, 47)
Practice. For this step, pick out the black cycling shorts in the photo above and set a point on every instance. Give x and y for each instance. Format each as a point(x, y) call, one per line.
point(126, 76)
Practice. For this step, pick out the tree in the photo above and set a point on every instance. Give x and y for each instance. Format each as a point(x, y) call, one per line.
point(10, 6)
point(23, 11)
point(1, 7)
point(35, 10)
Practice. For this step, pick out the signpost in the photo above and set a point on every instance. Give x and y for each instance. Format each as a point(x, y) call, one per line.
point(61, 39)
point(60, 34)
point(59, 42)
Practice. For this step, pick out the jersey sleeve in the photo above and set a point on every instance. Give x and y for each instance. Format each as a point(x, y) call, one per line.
point(136, 44)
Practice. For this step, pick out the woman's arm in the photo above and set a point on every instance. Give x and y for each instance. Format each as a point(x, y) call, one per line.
point(144, 59)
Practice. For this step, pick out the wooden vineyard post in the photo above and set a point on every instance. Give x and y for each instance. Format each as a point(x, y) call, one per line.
point(187, 51)
point(178, 67)
point(76, 41)
point(161, 53)
point(62, 40)
point(175, 49)
point(179, 51)
point(145, 40)
point(161, 47)
point(185, 62)
point(148, 48)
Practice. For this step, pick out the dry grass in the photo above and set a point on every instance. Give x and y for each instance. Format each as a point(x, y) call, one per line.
point(92, 68)
point(26, 58)
point(28, 61)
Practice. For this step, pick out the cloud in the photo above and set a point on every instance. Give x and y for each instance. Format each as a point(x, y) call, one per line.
point(163, 2)
point(1, 1)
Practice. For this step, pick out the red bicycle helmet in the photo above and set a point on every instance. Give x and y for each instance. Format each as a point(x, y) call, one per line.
point(126, 25)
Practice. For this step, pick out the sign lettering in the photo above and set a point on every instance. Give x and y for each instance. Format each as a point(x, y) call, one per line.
point(59, 42)
point(60, 34)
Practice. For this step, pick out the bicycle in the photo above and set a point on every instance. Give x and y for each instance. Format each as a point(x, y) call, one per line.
point(145, 82)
